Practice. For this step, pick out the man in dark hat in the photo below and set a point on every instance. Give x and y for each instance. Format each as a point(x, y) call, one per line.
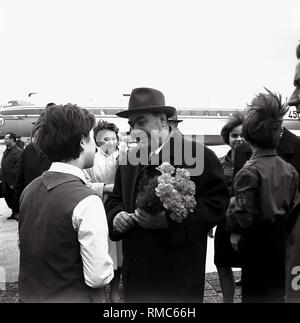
point(164, 261)
point(173, 122)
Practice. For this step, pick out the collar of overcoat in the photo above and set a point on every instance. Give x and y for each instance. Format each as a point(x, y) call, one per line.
point(287, 143)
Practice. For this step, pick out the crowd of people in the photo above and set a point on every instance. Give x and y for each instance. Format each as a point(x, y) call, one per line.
point(81, 229)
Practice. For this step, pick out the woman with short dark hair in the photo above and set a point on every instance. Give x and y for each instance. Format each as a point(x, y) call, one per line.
point(101, 179)
point(225, 257)
point(101, 176)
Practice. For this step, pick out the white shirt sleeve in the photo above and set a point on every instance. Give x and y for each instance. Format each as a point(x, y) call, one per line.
point(97, 187)
point(89, 220)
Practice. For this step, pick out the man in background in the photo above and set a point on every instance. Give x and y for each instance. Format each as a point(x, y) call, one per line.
point(9, 170)
point(173, 122)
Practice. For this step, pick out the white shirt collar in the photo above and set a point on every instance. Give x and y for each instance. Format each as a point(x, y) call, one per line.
point(68, 169)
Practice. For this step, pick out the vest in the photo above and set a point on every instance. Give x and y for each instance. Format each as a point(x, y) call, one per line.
point(51, 268)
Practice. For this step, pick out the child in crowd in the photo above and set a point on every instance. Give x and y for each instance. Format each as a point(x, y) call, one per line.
point(265, 193)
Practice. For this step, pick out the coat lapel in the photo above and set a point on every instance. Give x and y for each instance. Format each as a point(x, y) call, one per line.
point(286, 144)
point(130, 175)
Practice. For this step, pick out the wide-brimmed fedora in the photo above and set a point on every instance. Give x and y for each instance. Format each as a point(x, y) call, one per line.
point(144, 99)
point(174, 118)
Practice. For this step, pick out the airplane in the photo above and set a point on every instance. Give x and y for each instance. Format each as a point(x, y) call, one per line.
point(207, 123)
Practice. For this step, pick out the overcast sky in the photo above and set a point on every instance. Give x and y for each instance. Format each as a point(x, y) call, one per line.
point(199, 53)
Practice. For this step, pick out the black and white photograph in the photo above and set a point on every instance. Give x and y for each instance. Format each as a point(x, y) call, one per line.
point(150, 154)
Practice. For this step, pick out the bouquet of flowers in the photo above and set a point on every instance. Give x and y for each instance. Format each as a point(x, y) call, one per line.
point(172, 190)
point(176, 192)
point(147, 199)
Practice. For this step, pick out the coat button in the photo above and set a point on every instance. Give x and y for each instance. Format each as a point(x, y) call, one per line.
point(135, 257)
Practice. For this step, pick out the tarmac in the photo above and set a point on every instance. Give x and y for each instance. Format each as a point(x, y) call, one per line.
point(9, 265)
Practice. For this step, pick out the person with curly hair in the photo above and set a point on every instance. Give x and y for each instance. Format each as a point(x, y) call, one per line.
point(265, 195)
point(100, 178)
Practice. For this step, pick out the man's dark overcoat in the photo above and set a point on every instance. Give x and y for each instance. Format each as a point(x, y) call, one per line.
point(10, 165)
point(169, 264)
point(9, 173)
point(32, 164)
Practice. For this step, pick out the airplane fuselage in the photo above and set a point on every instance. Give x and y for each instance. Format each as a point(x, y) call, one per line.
point(205, 122)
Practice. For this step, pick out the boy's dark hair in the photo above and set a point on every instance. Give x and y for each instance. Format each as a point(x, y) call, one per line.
point(37, 125)
point(12, 135)
point(263, 122)
point(235, 120)
point(104, 125)
point(60, 129)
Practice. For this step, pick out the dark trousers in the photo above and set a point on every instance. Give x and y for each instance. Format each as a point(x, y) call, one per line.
point(263, 262)
point(9, 196)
